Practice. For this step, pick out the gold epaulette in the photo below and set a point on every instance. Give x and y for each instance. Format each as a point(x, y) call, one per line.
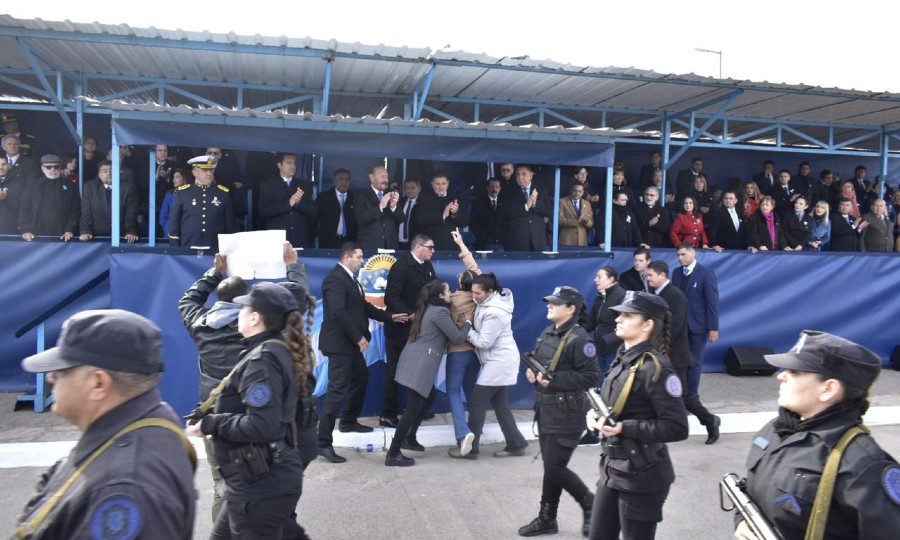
point(180, 188)
point(223, 188)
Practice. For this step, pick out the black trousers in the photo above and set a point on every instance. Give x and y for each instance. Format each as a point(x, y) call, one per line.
point(348, 377)
point(498, 396)
point(416, 406)
point(394, 341)
point(556, 451)
point(635, 515)
point(692, 401)
point(258, 520)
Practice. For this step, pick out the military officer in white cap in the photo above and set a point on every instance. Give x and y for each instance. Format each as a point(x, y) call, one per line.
point(202, 210)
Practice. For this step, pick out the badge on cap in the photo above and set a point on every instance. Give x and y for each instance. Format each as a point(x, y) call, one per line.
point(891, 481)
point(556, 291)
point(673, 386)
point(117, 517)
point(589, 349)
point(259, 395)
point(800, 343)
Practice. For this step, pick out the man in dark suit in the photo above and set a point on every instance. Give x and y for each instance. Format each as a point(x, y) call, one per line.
point(727, 225)
point(522, 212)
point(648, 170)
point(635, 278)
point(679, 348)
point(344, 339)
point(845, 229)
point(287, 203)
point(50, 206)
point(701, 288)
point(337, 221)
point(684, 184)
point(12, 189)
point(860, 187)
point(378, 212)
point(765, 180)
point(783, 193)
point(412, 271)
point(439, 213)
point(96, 206)
point(797, 226)
point(409, 203)
point(485, 217)
point(20, 165)
point(626, 232)
point(826, 189)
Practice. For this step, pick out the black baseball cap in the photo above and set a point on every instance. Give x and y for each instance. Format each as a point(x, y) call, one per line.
point(270, 299)
point(565, 295)
point(648, 305)
point(832, 356)
point(111, 339)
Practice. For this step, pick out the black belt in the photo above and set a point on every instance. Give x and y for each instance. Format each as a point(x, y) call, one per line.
point(559, 397)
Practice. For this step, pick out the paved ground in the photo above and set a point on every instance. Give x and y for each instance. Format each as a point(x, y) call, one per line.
point(449, 499)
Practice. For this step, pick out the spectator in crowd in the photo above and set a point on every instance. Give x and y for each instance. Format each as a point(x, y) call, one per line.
point(90, 158)
point(859, 188)
point(522, 212)
point(706, 206)
point(670, 197)
point(286, 203)
point(201, 211)
point(649, 170)
point(635, 278)
point(412, 271)
point(620, 185)
point(485, 222)
point(602, 320)
point(820, 227)
point(492, 336)
point(626, 231)
point(879, 233)
point(69, 171)
point(50, 207)
point(893, 206)
point(507, 175)
point(797, 226)
point(751, 199)
point(764, 231)
point(802, 182)
point(409, 203)
point(653, 219)
point(765, 180)
point(96, 206)
point(845, 228)
point(783, 193)
point(581, 175)
point(688, 226)
point(179, 178)
point(439, 213)
point(576, 218)
point(20, 165)
point(12, 189)
point(684, 184)
point(431, 330)
point(378, 212)
point(728, 225)
point(848, 191)
point(337, 219)
point(165, 170)
point(825, 189)
point(27, 143)
point(126, 174)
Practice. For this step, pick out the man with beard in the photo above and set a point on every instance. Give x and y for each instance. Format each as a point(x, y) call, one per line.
point(50, 207)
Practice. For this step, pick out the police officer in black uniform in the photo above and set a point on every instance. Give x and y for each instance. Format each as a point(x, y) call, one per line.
point(643, 393)
point(823, 394)
point(565, 349)
point(202, 210)
point(253, 423)
point(134, 466)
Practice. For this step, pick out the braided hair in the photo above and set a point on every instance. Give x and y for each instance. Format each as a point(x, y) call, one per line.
point(662, 333)
point(292, 328)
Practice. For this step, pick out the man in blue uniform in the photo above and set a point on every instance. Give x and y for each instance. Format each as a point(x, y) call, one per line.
point(133, 468)
point(201, 211)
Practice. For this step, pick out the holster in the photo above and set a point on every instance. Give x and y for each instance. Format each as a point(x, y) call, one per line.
point(249, 462)
point(570, 401)
point(307, 411)
point(638, 454)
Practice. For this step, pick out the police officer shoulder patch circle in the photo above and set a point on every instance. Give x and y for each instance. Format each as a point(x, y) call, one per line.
point(673, 386)
point(259, 395)
point(891, 481)
point(589, 349)
point(116, 518)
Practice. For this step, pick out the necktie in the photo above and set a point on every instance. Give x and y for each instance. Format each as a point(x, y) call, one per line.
point(644, 281)
point(380, 195)
point(577, 208)
point(687, 271)
point(787, 190)
point(494, 204)
point(847, 217)
point(404, 227)
point(342, 224)
point(525, 191)
point(734, 219)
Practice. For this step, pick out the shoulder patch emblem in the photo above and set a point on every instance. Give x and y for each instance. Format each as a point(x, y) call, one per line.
point(789, 503)
point(589, 350)
point(891, 480)
point(673, 386)
point(116, 518)
point(259, 395)
point(223, 188)
point(761, 443)
point(184, 187)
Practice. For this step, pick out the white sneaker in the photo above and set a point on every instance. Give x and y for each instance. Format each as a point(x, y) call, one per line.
point(465, 446)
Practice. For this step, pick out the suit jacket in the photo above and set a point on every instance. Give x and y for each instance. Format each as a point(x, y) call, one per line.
point(765, 185)
point(783, 201)
point(275, 209)
point(404, 282)
point(523, 227)
point(329, 211)
point(656, 235)
point(572, 230)
point(679, 347)
point(376, 228)
point(430, 220)
point(484, 223)
point(796, 230)
point(843, 236)
point(26, 168)
point(630, 280)
point(14, 187)
point(347, 313)
point(758, 232)
point(820, 192)
point(684, 184)
point(409, 220)
point(50, 207)
point(625, 229)
point(722, 232)
point(701, 289)
point(96, 214)
point(878, 237)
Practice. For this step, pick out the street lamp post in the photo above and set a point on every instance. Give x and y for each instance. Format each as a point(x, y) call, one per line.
point(713, 52)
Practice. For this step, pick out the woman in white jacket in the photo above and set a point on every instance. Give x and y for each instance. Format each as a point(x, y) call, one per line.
point(492, 336)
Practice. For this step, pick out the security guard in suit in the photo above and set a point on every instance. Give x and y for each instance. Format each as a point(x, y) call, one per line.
point(202, 210)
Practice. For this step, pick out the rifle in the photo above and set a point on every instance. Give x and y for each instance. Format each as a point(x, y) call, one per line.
point(734, 487)
point(600, 407)
point(537, 367)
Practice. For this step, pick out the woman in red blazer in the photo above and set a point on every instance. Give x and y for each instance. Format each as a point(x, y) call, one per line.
point(688, 226)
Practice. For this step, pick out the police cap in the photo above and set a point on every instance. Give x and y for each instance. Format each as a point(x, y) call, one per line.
point(111, 339)
point(270, 299)
point(565, 295)
point(7, 118)
point(648, 305)
point(832, 356)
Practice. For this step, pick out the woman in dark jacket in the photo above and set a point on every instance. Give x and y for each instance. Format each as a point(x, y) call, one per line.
point(567, 352)
point(764, 231)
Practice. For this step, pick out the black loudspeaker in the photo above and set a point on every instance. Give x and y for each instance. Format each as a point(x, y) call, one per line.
point(748, 361)
point(895, 358)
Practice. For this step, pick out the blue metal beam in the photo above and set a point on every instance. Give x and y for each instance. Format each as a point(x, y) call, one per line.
point(421, 95)
point(23, 86)
point(564, 118)
point(26, 52)
point(706, 125)
point(522, 114)
point(284, 102)
point(130, 92)
point(191, 95)
point(708, 103)
point(444, 115)
point(326, 89)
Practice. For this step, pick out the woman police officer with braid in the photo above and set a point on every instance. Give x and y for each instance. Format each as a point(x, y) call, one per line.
point(253, 421)
point(565, 350)
point(643, 394)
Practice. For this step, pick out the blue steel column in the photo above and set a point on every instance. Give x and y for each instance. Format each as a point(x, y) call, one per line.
point(79, 128)
point(556, 211)
point(666, 139)
point(151, 204)
point(115, 207)
point(326, 92)
point(885, 147)
point(607, 217)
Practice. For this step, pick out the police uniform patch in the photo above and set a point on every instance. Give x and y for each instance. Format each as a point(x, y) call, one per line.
point(891, 481)
point(673, 386)
point(789, 503)
point(116, 518)
point(589, 349)
point(259, 395)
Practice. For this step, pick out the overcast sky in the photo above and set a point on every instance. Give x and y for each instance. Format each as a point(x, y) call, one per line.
point(777, 41)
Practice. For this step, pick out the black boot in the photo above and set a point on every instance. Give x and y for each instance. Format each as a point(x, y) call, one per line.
point(587, 506)
point(545, 523)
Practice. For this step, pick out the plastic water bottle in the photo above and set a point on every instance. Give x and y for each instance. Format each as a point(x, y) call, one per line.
point(368, 449)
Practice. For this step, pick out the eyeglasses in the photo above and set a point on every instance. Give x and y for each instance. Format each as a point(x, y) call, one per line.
point(431, 247)
point(51, 167)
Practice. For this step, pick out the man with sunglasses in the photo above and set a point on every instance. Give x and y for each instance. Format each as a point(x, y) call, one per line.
point(50, 207)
